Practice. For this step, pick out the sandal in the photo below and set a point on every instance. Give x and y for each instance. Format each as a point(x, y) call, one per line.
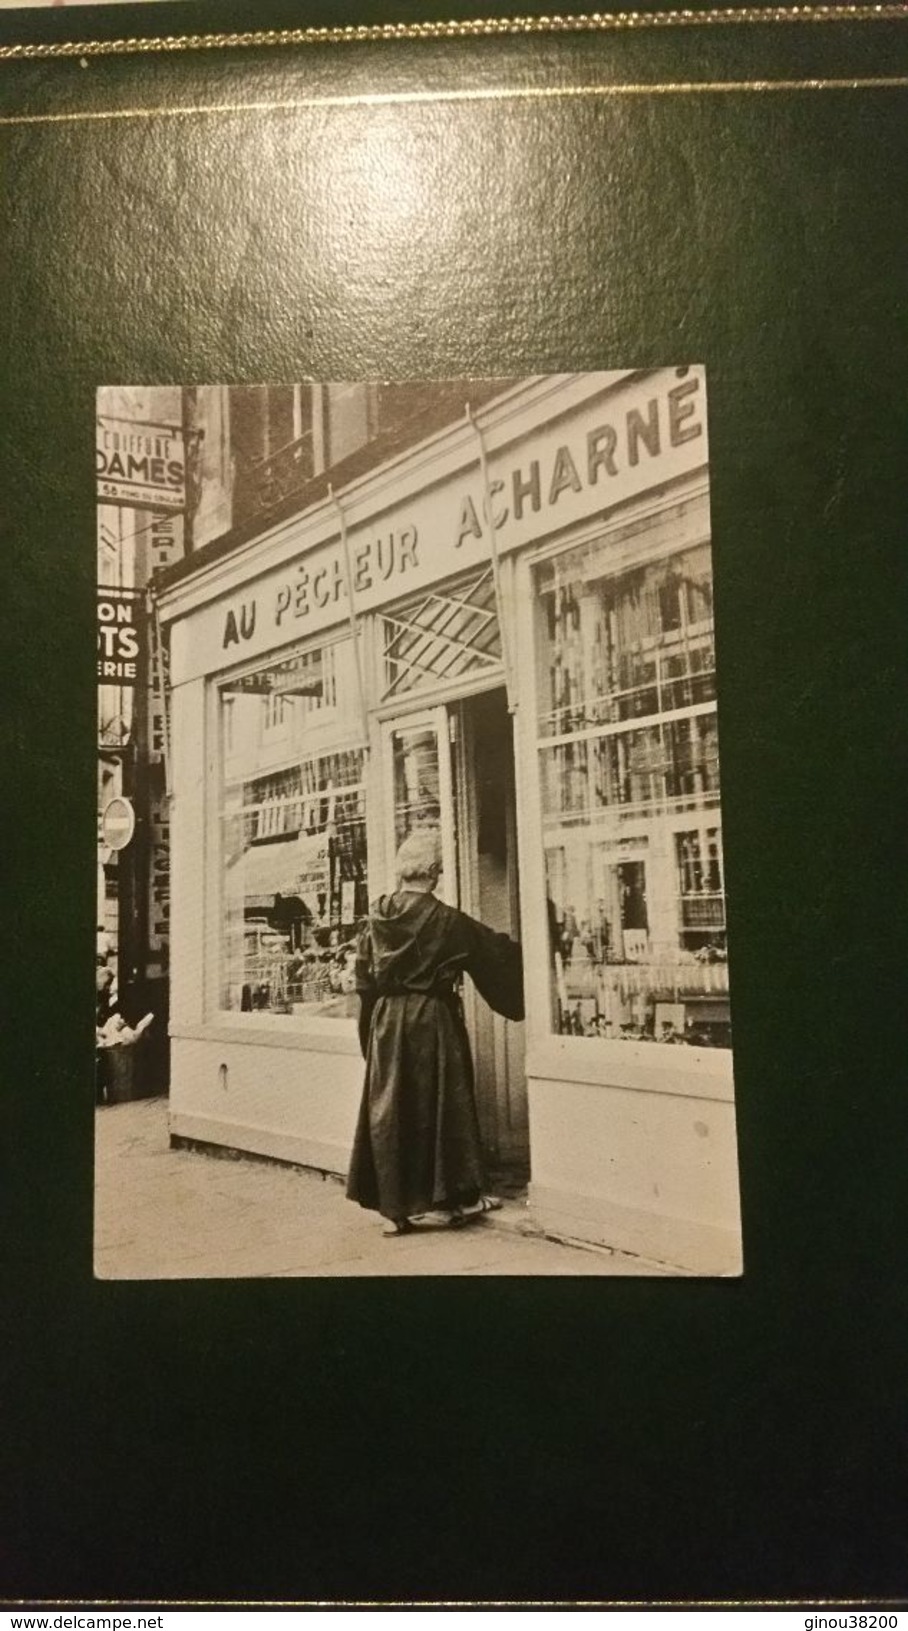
point(486, 1203)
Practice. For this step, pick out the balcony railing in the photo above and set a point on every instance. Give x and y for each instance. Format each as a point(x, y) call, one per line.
point(264, 483)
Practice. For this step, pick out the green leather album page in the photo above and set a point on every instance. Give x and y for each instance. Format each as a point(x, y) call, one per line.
point(453, 476)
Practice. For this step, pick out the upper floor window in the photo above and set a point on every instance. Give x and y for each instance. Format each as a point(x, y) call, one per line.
point(273, 445)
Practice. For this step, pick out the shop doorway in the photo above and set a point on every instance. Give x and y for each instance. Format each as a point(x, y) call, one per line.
point(486, 836)
point(452, 766)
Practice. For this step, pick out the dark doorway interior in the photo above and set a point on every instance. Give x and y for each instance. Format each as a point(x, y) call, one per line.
point(487, 831)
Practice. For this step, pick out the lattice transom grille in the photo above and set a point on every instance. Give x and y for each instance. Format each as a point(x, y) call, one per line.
point(442, 635)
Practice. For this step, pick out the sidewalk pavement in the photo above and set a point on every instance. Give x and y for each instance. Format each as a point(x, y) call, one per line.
point(163, 1214)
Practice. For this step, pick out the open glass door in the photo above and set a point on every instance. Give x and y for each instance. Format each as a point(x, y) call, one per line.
point(451, 767)
point(417, 757)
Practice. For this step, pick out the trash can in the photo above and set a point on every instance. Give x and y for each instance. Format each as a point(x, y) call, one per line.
point(121, 1072)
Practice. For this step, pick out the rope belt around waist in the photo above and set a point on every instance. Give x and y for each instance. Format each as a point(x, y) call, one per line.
point(445, 993)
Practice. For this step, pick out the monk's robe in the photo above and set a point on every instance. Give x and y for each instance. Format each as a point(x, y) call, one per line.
point(417, 1146)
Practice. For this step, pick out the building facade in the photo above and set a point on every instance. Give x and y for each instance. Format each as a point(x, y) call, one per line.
point(500, 623)
point(135, 541)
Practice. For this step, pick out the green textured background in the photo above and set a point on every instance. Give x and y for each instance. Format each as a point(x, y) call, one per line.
point(464, 1438)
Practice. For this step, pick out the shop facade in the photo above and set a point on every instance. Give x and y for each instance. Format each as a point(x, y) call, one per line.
point(504, 631)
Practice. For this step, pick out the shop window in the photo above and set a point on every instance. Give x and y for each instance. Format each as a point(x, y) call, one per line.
point(293, 836)
point(629, 772)
point(441, 637)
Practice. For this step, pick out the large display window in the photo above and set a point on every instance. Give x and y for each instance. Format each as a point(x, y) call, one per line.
point(629, 771)
point(292, 835)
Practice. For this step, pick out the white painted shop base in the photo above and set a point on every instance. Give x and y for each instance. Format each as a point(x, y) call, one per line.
point(268, 1096)
point(646, 1173)
point(652, 1174)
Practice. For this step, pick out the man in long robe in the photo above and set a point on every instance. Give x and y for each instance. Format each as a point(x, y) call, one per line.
point(417, 1148)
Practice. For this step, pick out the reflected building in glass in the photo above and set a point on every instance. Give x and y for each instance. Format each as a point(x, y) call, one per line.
point(629, 771)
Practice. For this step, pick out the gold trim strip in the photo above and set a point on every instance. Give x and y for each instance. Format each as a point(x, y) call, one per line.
point(452, 1602)
point(476, 28)
point(529, 93)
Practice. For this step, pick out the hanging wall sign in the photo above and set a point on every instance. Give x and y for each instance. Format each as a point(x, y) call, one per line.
point(140, 466)
point(121, 636)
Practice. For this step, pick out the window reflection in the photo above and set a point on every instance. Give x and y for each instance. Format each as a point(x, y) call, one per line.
point(293, 850)
point(629, 767)
point(417, 796)
point(416, 769)
point(626, 647)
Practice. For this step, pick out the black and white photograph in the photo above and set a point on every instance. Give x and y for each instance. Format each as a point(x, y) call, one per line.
point(411, 902)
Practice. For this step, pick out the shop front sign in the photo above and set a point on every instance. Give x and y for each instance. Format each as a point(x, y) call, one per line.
point(605, 451)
